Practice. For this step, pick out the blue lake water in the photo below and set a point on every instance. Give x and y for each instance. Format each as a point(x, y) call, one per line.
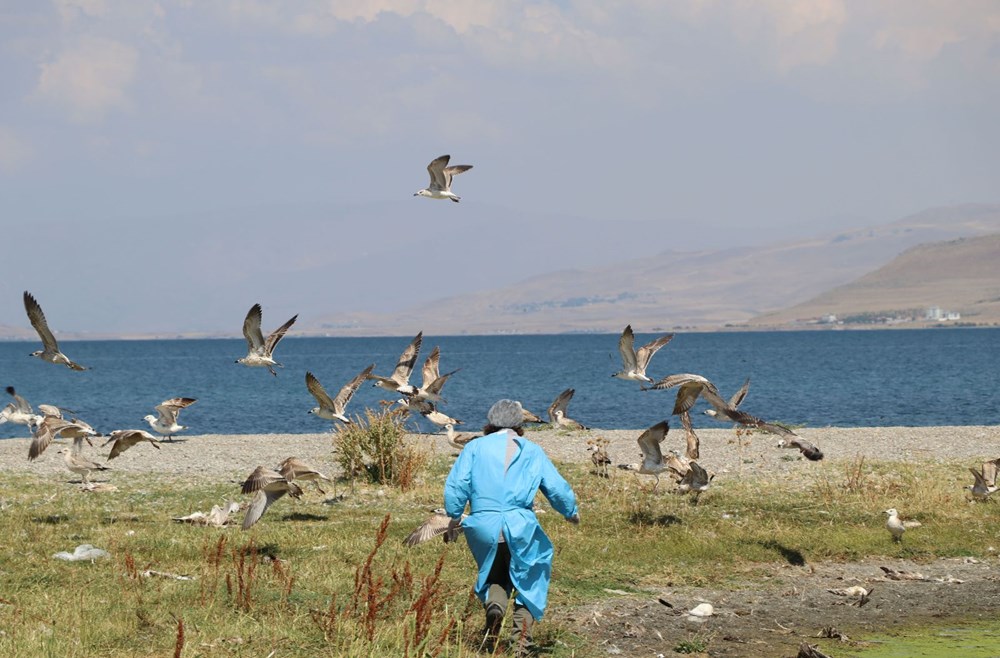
point(815, 378)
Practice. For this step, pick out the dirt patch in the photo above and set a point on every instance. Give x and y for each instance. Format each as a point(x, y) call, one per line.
point(784, 605)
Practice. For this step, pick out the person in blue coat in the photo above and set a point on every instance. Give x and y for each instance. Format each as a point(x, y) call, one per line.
point(498, 475)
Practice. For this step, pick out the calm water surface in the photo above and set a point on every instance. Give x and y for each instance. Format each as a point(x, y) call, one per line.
point(815, 378)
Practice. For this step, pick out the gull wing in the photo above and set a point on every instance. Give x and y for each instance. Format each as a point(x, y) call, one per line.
point(431, 368)
point(435, 386)
point(561, 403)
point(626, 347)
point(51, 410)
point(251, 329)
point(264, 498)
point(646, 352)
point(990, 469)
point(262, 478)
point(450, 172)
point(401, 373)
point(124, 439)
point(43, 436)
point(436, 170)
point(6, 412)
point(37, 319)
point(169, 409)
point(437, 524)
point(808, 450)
point(294, 468)
point(650, 440)
point(20, 403)
point(349, 389)
point(981, 483)
point(317, 391)
point(275, 336)
point(740, 395)
point(530, 417)
point(699, 477)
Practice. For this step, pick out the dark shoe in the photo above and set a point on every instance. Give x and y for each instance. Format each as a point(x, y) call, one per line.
point(494, 620)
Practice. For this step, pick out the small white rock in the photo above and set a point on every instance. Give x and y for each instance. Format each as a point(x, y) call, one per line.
point(702, 610)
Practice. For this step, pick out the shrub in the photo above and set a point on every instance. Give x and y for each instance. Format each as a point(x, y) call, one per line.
point(372, 447)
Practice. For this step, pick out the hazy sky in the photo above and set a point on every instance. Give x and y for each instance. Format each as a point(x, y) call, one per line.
point(717, 120)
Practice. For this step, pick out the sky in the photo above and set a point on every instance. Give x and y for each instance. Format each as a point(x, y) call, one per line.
point(211, 151)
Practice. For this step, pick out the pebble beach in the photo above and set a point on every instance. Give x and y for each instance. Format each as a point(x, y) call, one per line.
point(234, 456)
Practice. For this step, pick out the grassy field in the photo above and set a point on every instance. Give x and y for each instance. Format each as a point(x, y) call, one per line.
point(332, 578)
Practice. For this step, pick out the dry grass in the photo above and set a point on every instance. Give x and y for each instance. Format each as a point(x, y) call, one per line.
point(372, 447)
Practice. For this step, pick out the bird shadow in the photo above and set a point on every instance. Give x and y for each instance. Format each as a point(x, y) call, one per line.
point(647, 518)
point(303, 516)
point(51, 519)
point(792, 556)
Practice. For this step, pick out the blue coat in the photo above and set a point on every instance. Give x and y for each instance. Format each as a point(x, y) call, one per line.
point(502, 502)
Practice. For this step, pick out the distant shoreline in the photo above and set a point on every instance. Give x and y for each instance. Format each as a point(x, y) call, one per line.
point(74, 337)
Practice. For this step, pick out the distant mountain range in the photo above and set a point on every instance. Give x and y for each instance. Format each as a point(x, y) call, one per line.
point(706, 289)
point(960, 278)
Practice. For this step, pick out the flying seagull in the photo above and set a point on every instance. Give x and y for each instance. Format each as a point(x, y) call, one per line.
point(896, 526)
point(19, 411)
point(808, 450)
point(334, 408)
point(439, 418)
point(696, 481)
point(433, 380)
point(122, 440)
point(441, 175)
point(693, 442)
point(53, 426)
point(438, 524)
point(50, 348)
point(634, 362)
point(166, 420)
point(557, 411)
point(294, 468)
point(690, 387)
point(399, 380)
point(259, 351)
point(267, 486)
point(734, 402)
point(652, 456)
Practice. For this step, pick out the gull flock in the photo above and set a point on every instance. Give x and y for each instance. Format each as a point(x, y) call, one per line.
point(269, 485)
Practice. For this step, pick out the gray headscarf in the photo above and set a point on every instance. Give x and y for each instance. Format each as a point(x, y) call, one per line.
point(506, 413)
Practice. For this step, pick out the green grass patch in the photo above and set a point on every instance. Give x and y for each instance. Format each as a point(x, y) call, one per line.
point(325, 578)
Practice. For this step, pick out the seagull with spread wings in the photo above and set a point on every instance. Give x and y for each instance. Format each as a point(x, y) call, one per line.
point(52, 426)
point(734, 402)
point(689, 387)
point(433, 380)
point(294, 468)
point(986, 480)
point(19, 411)
point(634, 362)
point(441, 175)
point(399, 380)
point(335, 408)
point(267, 486)
point(260, 352)
point(558, 408)
point(165, 422)
point(438, 524)
point(50, 348)
point(653, 462)
point(122, 440)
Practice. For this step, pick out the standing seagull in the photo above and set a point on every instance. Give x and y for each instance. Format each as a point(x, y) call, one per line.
point(168, 410)
point(897, 527)
point(399, 380)
point(441, 175)
point(634, 362)
point(77, 463)
point(260, 351)
point(333, 408)
point(50, 348)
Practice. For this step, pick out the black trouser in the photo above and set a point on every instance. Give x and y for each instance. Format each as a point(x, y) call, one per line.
point(500, 589)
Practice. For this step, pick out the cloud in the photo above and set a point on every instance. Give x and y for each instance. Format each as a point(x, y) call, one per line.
point(89, 79)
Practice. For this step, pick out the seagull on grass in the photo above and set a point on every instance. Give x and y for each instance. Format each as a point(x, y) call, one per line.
point(557, 411)
point(696, 481)
point(267, 486)
point(986, 480)
point(897, 526)
point(122, 440)
point(438, 524)
point(441, 176)
point(335, 408)
point(165, 422)
point(77, 463)
point(399, 380)
point(50, 348)
point(260, 352)
point(634, 362)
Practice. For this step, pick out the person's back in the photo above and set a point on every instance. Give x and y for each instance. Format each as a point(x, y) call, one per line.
point(498, 475)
